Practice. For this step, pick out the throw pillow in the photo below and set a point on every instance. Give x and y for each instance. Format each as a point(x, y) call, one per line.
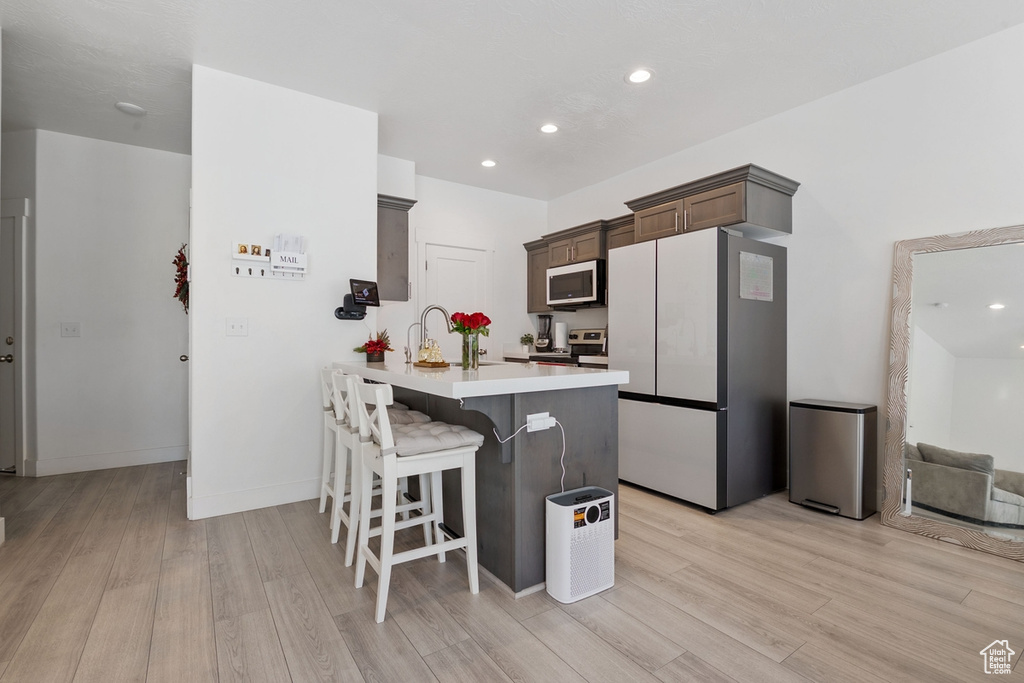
point(977, 462)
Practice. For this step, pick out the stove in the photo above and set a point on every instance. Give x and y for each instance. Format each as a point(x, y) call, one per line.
point(583, 342)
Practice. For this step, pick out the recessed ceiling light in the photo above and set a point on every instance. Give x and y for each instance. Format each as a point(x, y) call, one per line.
point(129, 108)
point(549, 128)
point(640, 76)
point(488, 163)
point(996, 307)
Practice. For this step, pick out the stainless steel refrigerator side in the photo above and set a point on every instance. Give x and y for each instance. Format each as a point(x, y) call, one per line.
point(756, 377)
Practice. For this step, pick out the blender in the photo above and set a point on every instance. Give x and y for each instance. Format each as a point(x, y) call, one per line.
point(543, 342)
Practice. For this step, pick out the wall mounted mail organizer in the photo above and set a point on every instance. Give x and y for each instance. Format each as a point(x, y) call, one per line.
point(285, 259)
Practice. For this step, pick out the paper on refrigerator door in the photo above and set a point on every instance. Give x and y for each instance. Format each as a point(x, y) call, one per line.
point(756, 277)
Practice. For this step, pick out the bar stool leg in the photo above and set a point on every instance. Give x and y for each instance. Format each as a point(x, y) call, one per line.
point(387, 535)
point(326, 473)
point(469, 519)
point(365, 489)
point(340, 471)
point(355, 505)
point(437, 508)
point(426, 508)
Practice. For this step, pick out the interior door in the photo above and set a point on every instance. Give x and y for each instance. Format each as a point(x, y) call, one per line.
point(456, 278)
point(9, 354)
point(184, 358)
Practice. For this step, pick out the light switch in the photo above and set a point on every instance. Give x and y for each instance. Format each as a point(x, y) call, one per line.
point(237, 327)
point(71, 329)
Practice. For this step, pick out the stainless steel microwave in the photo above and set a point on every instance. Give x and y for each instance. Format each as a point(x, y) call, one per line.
point(577, 284)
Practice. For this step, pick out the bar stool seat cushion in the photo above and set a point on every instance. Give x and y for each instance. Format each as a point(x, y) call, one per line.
point(407, 416)
point(427, 437)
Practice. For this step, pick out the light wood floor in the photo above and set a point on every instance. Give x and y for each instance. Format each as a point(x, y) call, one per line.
point(102, 578)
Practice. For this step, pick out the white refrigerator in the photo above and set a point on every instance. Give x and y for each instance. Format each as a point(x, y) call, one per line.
point(699, 321)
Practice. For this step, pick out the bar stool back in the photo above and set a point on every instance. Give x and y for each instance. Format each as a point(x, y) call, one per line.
point(408, 450)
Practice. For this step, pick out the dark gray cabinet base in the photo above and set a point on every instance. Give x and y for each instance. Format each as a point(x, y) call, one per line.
point(512, 479)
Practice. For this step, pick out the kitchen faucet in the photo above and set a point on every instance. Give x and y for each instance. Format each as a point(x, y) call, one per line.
point(423, 322)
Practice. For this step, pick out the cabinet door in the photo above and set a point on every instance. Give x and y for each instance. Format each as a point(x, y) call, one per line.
point(714, 208)
point(393, 254)
point(620, 237)
point(537, 280)
point(658, 221)
point(587, 247)
point(560, 252)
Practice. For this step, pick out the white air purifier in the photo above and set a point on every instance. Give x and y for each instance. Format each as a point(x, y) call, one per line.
point(580, 526)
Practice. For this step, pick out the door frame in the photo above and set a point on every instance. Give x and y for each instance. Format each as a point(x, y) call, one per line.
point(442, 238)
point(19, 210)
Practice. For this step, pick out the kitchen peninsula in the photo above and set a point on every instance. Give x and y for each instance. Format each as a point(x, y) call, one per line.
point(513, 478)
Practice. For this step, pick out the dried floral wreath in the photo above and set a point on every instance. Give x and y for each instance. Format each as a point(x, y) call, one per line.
point(181, 277)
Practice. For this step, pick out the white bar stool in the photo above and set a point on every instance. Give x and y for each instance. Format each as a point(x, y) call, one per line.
point(347, 440)
point(337, 437)
point(408, 450)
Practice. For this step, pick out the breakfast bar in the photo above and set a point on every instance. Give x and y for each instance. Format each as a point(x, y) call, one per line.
point(514, 477)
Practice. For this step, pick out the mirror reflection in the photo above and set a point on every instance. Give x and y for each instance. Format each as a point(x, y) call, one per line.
point(965, 389)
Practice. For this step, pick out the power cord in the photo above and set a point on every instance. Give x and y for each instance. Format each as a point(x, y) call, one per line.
point(561, 458)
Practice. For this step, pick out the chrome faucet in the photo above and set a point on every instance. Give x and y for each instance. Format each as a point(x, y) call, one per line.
point(423, 321)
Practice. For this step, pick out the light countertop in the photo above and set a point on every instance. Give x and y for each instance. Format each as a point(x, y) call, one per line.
point(489, 380)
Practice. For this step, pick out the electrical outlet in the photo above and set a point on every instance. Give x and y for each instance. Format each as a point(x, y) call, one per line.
point(538, 422)
point(237, 327)
point(71, 329)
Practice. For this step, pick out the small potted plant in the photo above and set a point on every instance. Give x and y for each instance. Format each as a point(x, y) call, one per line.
point(375, 348)
point(527, 341)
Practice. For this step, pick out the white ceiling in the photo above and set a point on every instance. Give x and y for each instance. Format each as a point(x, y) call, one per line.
point(457, 81)
point(952, 292)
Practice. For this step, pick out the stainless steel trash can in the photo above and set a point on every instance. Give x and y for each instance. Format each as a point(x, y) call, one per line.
point(833, 456)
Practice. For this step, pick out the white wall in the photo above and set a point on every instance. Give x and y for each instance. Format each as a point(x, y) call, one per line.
point(460, 215)
point(396, 177)
point(267, 160)
point(931, 149)
point(107, 220)
point(930, 391)
point(987, 405)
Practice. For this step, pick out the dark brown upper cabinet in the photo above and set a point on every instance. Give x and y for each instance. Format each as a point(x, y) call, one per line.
point(537, 276)
point(620, 232)
point(751, 200)
point(582, 243)
point(393, 247)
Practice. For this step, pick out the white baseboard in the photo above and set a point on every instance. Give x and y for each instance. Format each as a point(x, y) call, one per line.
point(103, 461)
point(218, 504)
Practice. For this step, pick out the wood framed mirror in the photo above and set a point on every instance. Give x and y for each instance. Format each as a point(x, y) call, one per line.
point(946, 341)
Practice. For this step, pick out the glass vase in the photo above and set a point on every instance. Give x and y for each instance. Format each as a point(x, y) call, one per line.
point(470, 350)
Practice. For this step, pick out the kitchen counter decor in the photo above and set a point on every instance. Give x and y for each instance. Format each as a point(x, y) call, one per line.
point(470, 326)
point(375, 348)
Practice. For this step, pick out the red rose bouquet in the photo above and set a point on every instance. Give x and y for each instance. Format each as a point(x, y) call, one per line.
point(472, 323)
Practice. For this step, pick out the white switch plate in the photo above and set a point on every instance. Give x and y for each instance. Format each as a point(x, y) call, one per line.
point(237, 327)
point(71, 329)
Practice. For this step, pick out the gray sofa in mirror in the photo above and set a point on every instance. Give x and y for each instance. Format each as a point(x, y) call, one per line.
point(966, 486)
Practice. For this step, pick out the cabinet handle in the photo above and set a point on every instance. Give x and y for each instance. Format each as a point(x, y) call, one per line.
point(685, 221)
point(574, 252)
point(677, 221)
point(567, 258)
